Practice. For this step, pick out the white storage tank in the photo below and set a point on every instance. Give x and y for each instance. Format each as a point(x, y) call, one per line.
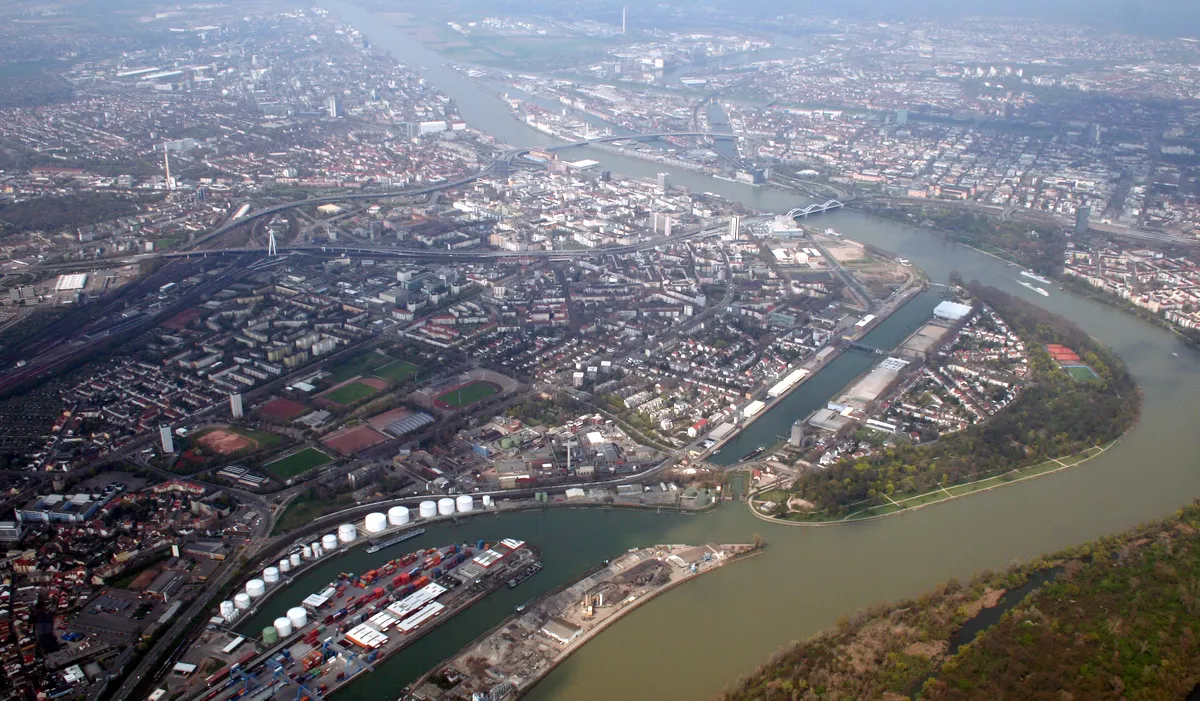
point(228, 610)
point(270, 575)
point(307, 551)
point(376, 522)
point(285, 565)
point(347, 533)
point(283, 626)
point(428, 509)
point(465, 503)
point(445, 506)
point(241, 600)
point(487, 500)
point(329, 542)
point(294, 558)
point(298, 617)
point(398, 515)
point(256, 588)
point(318, 549)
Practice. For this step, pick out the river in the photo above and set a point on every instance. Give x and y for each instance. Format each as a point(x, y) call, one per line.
point(696, 639)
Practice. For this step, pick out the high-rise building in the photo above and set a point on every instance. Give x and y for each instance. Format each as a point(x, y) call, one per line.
point(1081, 219)
point(735, 227)
point(901, 117)
point(168, 441)
point(663, 183)
point(235, 405)
point(335, 108)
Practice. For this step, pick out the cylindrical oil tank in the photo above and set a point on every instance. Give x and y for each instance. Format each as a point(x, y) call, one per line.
point(347, 533)
point(283, 626)
point(465, 503)
point(270, 575)
point(285, 565)
point(295, 559)
point(298, 617)
point(398, 515)
point(228, 610)
point(307, 552)
point(270, 636)
point(329, 542)
point(445, 506)
point(428, 509)
point(256, 588)
point(487, 500)
point(376, 522)
point(318, 549)
point(241, 600)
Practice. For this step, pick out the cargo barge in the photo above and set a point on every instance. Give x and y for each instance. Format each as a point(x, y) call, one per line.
point(376, 547)
point(527, 572)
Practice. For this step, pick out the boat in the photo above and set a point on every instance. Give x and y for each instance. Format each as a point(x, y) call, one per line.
point(1039, 278)
point(1174, 354)
point(753, 454)
point(376, 547)
point(525, 573)
point(1033, 287)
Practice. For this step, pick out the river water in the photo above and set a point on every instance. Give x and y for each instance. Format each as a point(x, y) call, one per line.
point(696, 639)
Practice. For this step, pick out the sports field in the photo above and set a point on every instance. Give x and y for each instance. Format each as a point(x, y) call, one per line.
point(297, 463)
point(467, 394)
point(361, 364)
point(396, 371)
point(350, 393)
point(1081, 373)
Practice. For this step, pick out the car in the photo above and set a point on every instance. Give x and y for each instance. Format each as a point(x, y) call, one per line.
point(72, 637)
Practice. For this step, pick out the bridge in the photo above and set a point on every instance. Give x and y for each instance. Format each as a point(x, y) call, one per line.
point(865, 348)
point(814, 209)
point(637, 137)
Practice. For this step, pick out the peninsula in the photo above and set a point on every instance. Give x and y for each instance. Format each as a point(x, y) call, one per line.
point(515, 655)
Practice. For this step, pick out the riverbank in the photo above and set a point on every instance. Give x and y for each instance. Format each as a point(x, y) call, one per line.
point(942, 494)
point(517, 653)
point(1069, 622)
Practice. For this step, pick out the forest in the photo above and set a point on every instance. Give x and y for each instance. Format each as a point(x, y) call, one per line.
point(1054, 416)
point(54, 213)
point(1117, 618)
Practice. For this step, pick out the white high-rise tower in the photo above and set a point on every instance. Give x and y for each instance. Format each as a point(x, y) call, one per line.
point(168, 441)
point(167, 168)
point(235, 404)
point(622, 19)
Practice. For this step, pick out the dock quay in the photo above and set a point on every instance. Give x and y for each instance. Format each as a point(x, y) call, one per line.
point(514, 656)
point(354, 623)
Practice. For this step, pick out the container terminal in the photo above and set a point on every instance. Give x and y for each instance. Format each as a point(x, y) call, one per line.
point(510, 659)
point(342, 630)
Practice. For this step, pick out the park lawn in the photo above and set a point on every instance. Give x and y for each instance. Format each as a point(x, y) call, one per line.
point(351, 393)
point(396, 371)
point(297, 463)
point(468, 394)
point(362, 364)
point(305, 508)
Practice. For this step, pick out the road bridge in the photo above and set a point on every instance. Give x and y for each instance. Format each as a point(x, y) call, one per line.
point(814, 208)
